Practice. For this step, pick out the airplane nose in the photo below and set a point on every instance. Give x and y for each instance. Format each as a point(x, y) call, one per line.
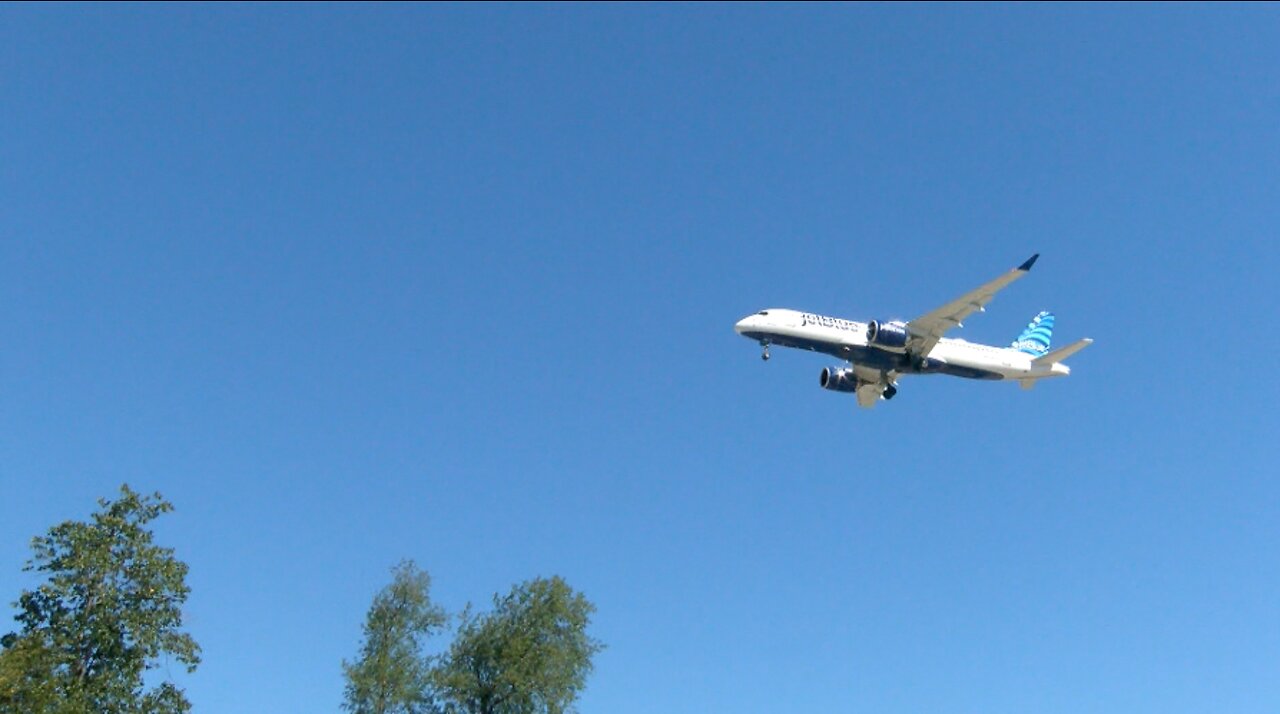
point(743, 325)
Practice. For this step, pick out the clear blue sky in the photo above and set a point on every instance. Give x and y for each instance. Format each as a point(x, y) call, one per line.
point(457, 284)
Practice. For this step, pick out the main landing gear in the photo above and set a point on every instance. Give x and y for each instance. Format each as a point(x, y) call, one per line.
point(765, 355)
point(889, 392)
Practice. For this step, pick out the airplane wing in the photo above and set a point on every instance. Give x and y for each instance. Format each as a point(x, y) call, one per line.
point(873, 384)
point(869, 394)
point(1062, 353)
point(926, 330)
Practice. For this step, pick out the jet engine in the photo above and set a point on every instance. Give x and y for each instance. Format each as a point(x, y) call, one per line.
point(839, 380)
point(889, 335)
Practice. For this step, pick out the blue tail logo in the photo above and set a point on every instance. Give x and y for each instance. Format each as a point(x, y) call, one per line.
point(1035, 339)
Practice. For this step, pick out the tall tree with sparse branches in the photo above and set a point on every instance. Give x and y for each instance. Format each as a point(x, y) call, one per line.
point(110, 610)
point(393, 672)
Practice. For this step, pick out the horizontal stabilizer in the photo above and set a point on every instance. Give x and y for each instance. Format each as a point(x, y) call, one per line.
point(1062, 353)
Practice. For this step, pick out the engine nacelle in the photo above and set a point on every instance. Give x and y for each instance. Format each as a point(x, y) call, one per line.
point(889, 335)
point(839, 380)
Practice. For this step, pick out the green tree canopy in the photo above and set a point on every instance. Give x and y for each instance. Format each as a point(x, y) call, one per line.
point(392, 675)
point(110, 609)
point(530, 655)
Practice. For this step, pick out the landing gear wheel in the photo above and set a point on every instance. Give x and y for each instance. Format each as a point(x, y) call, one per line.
point(889, 392)
point(765, 355)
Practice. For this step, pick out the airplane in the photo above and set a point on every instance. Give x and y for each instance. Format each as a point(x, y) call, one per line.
point(877, 353)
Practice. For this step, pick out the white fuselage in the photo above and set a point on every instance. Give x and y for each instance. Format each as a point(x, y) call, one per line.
point(847, 339)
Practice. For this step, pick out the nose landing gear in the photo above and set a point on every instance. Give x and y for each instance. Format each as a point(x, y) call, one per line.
point(765, 355)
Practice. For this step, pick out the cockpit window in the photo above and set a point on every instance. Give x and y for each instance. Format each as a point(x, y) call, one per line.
point(763, 312)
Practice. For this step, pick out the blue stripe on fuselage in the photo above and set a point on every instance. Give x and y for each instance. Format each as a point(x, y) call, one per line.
point(872, 357)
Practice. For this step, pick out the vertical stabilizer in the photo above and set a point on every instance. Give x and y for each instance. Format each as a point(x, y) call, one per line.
point(1036, 338)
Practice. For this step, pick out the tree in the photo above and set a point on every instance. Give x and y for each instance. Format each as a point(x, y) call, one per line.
point(110, 609)
point(530, 655)
point(25, 681)
point(392, 675)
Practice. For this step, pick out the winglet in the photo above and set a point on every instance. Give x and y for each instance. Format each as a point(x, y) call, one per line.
point(1030, 262)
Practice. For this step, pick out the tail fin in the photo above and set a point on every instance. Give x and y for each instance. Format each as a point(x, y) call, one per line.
point(1036, 338)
